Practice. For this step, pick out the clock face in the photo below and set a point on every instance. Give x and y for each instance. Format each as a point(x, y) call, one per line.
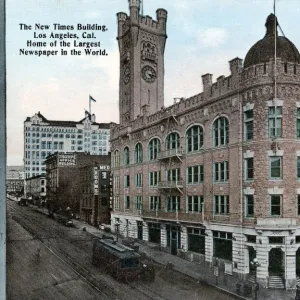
point(126, 75)
point(148, 74)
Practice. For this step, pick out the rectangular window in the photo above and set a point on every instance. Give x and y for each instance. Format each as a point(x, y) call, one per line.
point(275, 121)
point(195, 174)
point(221, 205)
point(248, 120)
point(298, 124)
point(249, 206)
point(154, 178)
point(127, 202)
point(249, 168)
point(275, 167)
point(173, 175)
point(138, 202)
point(104, 188)
point(154, 203)
point(117, 182)
point(195, 203)
point(196, 240)
point(173, 204)
point(221, 171)
point(222, 242)
point(139, 180)
point(126, 181)
point(116, 202)
point(275, 205)
point(298, 205)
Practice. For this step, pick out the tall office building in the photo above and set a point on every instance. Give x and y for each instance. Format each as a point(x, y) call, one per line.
point(43, 137)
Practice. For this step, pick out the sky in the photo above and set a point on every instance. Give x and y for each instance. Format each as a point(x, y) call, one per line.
point(203, 35)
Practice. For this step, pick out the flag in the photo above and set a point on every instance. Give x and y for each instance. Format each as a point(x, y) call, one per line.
point(92, 99)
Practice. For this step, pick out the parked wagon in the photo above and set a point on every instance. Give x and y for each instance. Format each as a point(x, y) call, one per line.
point(23, 202)
point(118, 260)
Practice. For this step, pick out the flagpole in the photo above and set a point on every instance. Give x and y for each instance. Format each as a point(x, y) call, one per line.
point(90, 105)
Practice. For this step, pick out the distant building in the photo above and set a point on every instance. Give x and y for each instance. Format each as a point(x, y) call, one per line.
point(43, 137)
point(14, 179)
point(14, 172)
point(36, 188)
point(96, 193)
point(65, 174)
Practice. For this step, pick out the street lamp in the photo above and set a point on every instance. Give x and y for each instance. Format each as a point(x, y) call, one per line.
point(255, 265)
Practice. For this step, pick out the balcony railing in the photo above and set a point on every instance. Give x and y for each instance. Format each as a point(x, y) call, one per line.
point(170, 184)
point(169, 154)
point(179, 216)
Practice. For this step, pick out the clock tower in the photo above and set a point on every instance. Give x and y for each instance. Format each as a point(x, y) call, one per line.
point(141, 44)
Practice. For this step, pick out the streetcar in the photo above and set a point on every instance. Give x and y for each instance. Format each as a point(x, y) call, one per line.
point(120, 261)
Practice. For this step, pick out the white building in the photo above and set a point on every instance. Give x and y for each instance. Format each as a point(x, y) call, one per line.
point(43, 137)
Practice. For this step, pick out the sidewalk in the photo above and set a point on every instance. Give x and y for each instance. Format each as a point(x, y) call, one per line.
point(199, 272)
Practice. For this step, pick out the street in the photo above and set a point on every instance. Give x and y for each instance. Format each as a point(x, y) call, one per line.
point(46, 260)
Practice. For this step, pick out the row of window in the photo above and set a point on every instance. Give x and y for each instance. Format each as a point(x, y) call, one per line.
point(195, 136)
point(275, 205)
point(35, 169)
point(172, 203)
point(195, 204)
point(62, 136)
point(195, 174)
point(69, 130)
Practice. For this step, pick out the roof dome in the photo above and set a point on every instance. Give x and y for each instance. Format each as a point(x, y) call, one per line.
point(263, 50)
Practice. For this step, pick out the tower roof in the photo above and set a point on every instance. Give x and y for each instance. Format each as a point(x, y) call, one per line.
point(264, 49)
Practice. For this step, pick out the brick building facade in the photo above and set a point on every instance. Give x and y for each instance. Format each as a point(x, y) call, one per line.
point(65, 175)
point(215, 177)
point(36, 188)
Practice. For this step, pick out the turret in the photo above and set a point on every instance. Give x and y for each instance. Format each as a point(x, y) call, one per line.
point(236, 66)
point(121, 17)
point(134, 8)
point(161, 16)
point(207, 82)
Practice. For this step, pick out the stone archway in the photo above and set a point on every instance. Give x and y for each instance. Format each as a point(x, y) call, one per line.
point(276, 262)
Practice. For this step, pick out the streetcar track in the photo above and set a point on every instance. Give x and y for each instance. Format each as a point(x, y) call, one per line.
point(90, 281)
point(75, 266)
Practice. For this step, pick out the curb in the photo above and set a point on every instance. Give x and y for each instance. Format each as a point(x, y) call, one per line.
point(236, 296)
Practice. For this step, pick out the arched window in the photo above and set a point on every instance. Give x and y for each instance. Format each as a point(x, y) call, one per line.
point(138, 153)
point(153, 148)
point(116, 159)
point(173, 141)
point(194, 138)
point(221, 132)
point(126, 156)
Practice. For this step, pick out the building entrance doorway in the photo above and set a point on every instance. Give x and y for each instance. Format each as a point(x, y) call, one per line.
point(173, 238)
point(298, 262)
point(276, 262)
point(252, 255)
point(140, 230)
